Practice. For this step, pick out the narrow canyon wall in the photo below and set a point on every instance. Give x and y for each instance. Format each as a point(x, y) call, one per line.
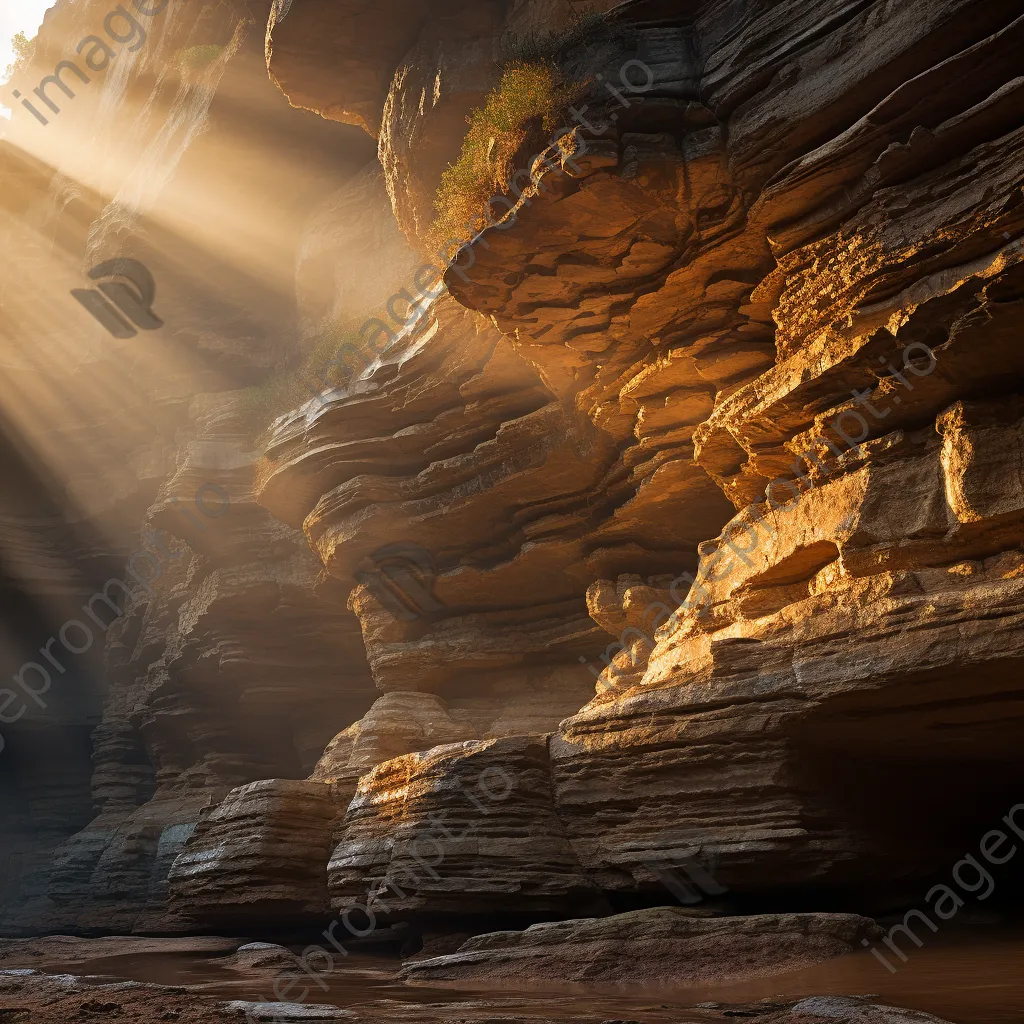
point(864, 210)
point(231, 661)
point(752, 322)
point(707, 456)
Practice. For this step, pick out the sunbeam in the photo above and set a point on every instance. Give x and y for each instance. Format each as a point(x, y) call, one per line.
point(520, 498)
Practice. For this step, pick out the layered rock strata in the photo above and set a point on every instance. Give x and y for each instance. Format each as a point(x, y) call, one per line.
point(475, 819)
point(276, 880)
point(434, 443)
point(753, 318)
point(886, 252)
point(780, 285)
point(222, 668)
point(660, 945)
point(205, 695)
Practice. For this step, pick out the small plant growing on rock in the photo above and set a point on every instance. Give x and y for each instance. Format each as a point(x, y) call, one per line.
point(288, 388)
point(23, 48)
point(542, 74)
point(529, 94)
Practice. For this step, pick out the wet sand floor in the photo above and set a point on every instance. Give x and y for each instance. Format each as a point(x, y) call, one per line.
point(970, 976)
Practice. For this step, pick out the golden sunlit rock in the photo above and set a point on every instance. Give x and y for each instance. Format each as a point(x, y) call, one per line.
point(550, 477)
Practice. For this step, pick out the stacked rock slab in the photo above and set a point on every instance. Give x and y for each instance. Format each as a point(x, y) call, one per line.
point(462, 828)
point(780, 285)
point(437, 445)
point(259, 858)
point(873, 597)
point(656, 946)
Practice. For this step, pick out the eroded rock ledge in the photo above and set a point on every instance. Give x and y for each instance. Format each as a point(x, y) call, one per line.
point(644, 947)
point(763, 327)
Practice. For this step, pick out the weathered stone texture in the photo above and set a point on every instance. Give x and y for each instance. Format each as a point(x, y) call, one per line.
point(259, 858)
point(775, 303)
point(467, 828)
point(758, 321)
point(663, 944)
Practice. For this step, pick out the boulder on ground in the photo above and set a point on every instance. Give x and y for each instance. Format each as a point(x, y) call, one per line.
point(658, 945)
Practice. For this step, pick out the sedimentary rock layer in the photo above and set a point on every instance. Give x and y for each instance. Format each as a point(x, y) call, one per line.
point(259, 857)
point(888, 203)
point(408, 72)
point(425, 830)
point(435, 443)
point(754, 318)
point(777, 279)
point(663, 944)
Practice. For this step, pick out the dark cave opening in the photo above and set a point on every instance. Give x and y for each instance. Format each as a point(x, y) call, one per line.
point(913, 780)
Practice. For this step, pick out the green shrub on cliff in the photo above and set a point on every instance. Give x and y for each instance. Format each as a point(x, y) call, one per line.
point(23, 48)
point(543, 73)
point(526, 93)
point(285, 390)
point(261, 404)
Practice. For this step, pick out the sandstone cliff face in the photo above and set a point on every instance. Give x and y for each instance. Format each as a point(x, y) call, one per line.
point(834, 614)
point(232, 672)
point(435, 446)
point(408, 72)
point(225, 667)
point(733, 394)
point(759, 325)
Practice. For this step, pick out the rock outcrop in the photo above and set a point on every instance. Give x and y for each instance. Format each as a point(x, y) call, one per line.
point(259, 858)
point(408, 72)
point(426, 830)
point(768, 294)
point(657, 946)
point(732, 392)
point(224, 666)
point(422, 446)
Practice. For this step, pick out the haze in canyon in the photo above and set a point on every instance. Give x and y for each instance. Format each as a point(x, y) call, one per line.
point(512, 511)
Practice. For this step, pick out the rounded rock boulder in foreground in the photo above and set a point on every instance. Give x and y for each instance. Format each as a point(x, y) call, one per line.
point(659, 945)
